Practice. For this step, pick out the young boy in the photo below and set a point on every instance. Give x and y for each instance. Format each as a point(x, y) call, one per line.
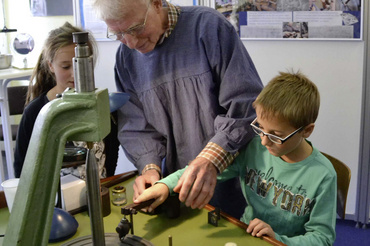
point(290, 187)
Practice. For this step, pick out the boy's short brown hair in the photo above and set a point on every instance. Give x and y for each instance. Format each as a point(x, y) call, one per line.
point(291, 96)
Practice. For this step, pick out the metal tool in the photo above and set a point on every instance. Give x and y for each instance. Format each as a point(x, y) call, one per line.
point(81, 114)
point(126, 225)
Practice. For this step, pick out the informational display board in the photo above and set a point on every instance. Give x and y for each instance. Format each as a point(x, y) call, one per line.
point(51, 7)
point(294, 19)
point(183, 2)
point(86, 18)
point(265, 19)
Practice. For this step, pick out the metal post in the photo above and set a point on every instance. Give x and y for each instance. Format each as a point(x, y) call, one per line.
point(94, 198)
point(363, 184)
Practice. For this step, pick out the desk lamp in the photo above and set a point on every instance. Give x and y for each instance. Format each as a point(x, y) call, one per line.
point(5, 59)
point(81, 114)
point(5, 29)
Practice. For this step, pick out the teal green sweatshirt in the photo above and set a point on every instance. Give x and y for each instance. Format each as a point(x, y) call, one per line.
point(297, 200)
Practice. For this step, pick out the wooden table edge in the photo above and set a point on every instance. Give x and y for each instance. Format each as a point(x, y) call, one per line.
point(2, 200)
point(242, 225)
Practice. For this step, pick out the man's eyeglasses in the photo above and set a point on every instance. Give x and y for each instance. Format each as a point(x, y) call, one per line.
point(273, 138)
point(133, 31)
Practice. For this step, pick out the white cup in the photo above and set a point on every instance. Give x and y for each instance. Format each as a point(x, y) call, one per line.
point(10, 188)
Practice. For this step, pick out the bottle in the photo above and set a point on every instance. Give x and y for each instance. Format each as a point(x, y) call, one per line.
point(119, 196)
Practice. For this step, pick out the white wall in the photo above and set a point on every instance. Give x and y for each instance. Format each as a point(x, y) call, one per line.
point(335, 66)
point(337, 69)
point(19, 17)
point(104, 78)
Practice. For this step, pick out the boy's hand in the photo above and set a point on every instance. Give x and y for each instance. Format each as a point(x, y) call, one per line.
point(144, 181)
point(158, 191)
point(258, 228)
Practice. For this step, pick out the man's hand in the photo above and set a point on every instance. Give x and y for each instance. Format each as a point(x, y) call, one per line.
point(197, 184)
point(144, 181)
point(158, 191)
point(258, 228)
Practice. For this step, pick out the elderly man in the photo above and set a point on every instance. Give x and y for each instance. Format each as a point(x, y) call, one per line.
point(192, 84)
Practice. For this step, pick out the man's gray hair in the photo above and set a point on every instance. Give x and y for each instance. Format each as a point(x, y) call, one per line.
point(114, 9)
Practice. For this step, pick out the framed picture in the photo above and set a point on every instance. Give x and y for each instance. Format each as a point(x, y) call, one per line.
point(51, 7)
point(294, 19)
point(85, 17)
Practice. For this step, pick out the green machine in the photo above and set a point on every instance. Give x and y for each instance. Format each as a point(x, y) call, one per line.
point(80, 114)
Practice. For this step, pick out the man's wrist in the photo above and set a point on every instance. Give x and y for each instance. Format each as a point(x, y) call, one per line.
point(218, 156)
point(152, 167)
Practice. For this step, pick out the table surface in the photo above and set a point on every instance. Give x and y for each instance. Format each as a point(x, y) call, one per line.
point(10, 73)
point(190, 228)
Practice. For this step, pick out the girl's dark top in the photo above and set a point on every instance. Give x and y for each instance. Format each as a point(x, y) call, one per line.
point(25, 131)
point(29, 116)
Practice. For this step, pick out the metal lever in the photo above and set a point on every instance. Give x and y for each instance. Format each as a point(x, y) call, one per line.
point(134, 207)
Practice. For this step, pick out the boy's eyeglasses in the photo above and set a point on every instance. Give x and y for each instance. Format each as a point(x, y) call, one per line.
point(273, 138)
point(133, 31)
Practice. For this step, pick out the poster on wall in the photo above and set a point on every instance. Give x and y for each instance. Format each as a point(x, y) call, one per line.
point(183, 2)
point(51, 7)
point(87, 19)
point(294, 19)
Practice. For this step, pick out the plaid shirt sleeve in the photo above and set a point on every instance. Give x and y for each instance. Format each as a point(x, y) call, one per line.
point(218, 156)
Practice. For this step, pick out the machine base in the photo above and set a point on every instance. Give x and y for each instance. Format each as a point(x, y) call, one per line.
point(111, 239)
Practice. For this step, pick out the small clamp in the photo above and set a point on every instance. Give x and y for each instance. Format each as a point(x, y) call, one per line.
point(214, 216)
